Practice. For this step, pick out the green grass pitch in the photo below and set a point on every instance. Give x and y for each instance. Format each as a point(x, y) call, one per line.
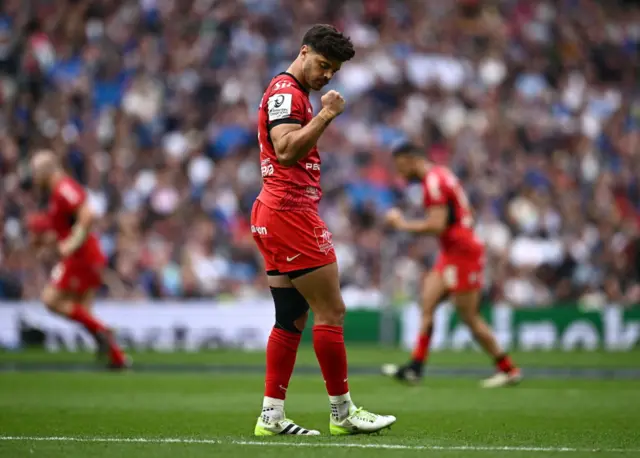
point(176, 412)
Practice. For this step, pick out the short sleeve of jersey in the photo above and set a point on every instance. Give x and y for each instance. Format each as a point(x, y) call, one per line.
point(285, 106)
point(69, 195)
point(435, 190)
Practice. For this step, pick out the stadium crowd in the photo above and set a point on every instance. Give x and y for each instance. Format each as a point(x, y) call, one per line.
point(152, 105)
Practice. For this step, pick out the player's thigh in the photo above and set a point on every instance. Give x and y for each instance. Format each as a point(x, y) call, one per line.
point(467, 304)
point(321, 290)
point(56, 299)
point(279, 281)
point(433, 291)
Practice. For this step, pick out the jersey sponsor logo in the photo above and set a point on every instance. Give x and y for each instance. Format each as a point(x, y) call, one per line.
point(266, 167)
point(450, 276)
point(324, 239)
point(281, 85)
point(279, 106)
point(260, 230)
point(312, 193)
point(312, 166)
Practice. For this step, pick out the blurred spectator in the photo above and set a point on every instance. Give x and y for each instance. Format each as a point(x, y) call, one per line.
point(152, 105)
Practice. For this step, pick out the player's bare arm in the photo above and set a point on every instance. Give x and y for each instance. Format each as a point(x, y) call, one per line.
point(434, 224)
point(44, 246)
point(79, 232)
point(293, 142)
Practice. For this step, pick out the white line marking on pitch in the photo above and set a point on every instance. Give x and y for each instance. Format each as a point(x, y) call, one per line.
point(269, 443)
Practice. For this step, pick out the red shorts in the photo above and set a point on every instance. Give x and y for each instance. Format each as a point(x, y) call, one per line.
point(461, 273)
point(290, 241)
point(77, 276)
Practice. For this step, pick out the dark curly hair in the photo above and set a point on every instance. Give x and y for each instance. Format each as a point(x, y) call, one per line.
point(325, 39)
point(406, 148)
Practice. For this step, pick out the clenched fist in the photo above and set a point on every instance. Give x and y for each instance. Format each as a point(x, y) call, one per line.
point(394, 218)
point(333, 102)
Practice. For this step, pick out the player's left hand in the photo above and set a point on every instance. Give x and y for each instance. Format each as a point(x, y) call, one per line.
point(394, 218)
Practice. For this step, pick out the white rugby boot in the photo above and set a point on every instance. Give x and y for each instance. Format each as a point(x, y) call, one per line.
point(501, 379)
point(360, 421)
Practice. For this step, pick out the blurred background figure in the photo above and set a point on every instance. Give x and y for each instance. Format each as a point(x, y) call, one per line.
point(152, 105)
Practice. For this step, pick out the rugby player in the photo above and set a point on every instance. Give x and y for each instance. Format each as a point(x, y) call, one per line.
point(295, 242)
point(458, 271)
point(75, 279)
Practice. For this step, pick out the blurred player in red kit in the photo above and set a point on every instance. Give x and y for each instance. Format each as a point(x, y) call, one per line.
point(75, 279)
point(294, 241)
point(458, 270)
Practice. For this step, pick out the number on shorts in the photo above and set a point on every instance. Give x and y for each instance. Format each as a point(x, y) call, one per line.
point(57, 272)
point(450, 276)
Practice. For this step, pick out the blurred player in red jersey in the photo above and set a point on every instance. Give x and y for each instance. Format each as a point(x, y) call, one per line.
point(75, 279)
point(458, 271)
point(294, 241)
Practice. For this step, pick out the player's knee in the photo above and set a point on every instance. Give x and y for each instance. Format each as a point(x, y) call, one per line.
point(292, 310)
point(471, 318)
point(301, 322)
point(431, 298)
point(332, 315)
point(52, 300)
point(47, 298)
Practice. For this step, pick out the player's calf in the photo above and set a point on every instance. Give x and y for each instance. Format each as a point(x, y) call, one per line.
point(506, 372)
point(483, 335)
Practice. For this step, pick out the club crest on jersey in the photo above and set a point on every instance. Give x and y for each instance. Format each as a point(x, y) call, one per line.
point(279, 106)
point(324, 239)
